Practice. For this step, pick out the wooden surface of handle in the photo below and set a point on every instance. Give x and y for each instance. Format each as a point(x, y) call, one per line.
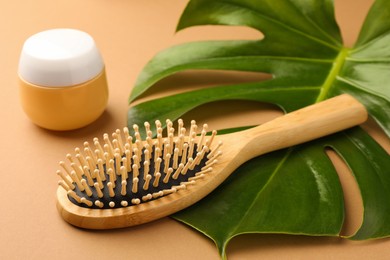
point(306, 124)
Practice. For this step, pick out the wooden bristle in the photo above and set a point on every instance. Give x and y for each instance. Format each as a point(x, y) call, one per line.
point(136, 201)
point(187, 166)
point(73, 175)
point(99, 204)
point(63, 185)
point(214, 151)
point(209, 163)
point(126, 170)
point(86, 187)
point(135, 185)
point(124, 188)
point(202, 137)
point(178, 171)
point(168, 175)
point(69, 157)
point(147, 181)
point(98, 190)
point(111, 191)
point(73, 194)
point(184, 153)
point(66, 179)
point(156, 181)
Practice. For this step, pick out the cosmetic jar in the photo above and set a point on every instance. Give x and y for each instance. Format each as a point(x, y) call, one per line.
point(62, 79)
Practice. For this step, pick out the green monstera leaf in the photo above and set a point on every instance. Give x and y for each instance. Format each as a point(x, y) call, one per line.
point(297, 190)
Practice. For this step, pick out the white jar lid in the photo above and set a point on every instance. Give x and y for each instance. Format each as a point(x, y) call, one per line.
point(60, 57)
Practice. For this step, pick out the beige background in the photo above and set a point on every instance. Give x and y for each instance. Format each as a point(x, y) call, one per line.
point(129, 33)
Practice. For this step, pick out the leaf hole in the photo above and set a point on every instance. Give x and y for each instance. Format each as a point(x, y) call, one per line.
point(353, 203)
point(376, 132)
point(219, 32)
point(233, 113)
point(190, 80)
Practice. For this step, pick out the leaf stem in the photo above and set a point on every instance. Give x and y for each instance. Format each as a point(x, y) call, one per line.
point(334, 72)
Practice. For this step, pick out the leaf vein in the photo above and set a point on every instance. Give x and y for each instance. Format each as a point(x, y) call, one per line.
point(378, 60)
point(292, 29)
point(370, 42)
point(280, 164)
point(323, 32)
point(359, 86)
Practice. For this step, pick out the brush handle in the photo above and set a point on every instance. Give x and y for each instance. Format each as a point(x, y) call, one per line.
point(306, 124)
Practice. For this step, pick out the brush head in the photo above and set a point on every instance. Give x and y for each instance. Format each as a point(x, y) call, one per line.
point(125, 171)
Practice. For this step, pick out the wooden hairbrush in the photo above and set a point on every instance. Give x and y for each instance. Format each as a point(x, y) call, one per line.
point(126, 181)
